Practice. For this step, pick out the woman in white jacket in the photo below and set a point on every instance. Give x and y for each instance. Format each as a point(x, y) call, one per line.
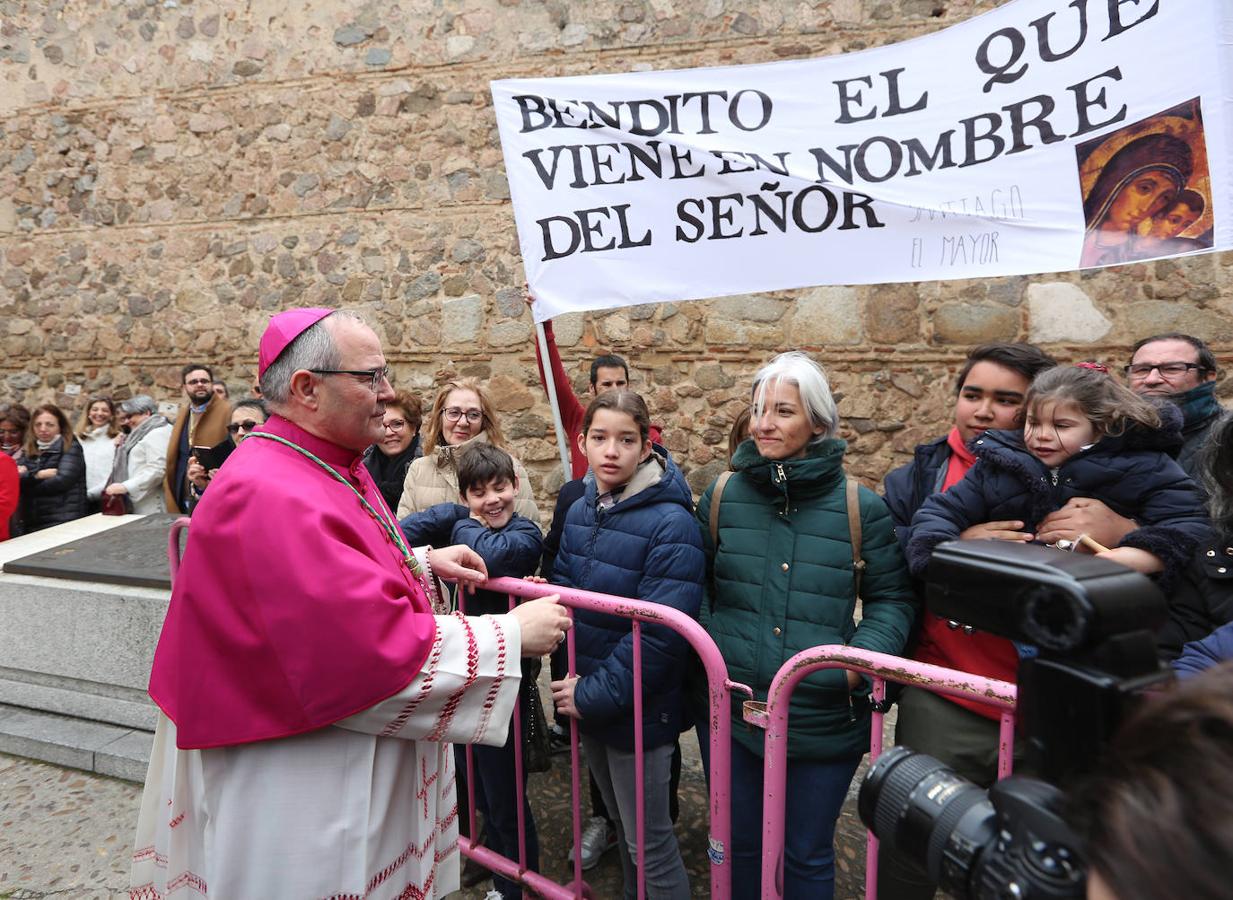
point(97, 433)
point(142, 459)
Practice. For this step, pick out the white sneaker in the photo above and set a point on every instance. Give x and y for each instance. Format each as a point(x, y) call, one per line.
point(494, 895)
point(597, 839)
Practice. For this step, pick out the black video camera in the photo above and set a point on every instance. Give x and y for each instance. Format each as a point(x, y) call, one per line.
point(1092, 626)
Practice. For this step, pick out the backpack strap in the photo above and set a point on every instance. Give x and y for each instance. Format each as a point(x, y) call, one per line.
point(716, 496)
point(854, 530)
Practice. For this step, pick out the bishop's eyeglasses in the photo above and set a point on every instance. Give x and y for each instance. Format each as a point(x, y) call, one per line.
point(374, 376)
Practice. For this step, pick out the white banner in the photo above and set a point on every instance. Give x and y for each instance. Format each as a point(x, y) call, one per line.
point(1046, 135)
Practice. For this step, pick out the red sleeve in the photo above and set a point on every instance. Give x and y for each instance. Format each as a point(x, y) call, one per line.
point(10, 488)
point(572, 412)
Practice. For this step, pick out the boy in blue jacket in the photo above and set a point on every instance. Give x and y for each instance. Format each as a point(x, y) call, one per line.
point(510, 546)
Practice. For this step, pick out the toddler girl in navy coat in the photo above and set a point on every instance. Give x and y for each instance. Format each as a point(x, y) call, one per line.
point(1084, 435)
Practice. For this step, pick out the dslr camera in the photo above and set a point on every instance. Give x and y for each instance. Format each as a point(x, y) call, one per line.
point(1092, 624)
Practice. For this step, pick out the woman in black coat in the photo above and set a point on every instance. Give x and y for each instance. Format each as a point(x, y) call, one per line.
point(388, 459)
point(1202, 601)
point(53, 489)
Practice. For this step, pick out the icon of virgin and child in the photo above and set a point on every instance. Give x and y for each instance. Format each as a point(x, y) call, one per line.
point(1148, 198)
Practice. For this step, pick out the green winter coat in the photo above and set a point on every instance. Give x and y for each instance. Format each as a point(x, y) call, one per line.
point(782, 581)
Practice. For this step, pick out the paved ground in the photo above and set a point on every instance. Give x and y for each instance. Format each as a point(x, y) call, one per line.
point(67, 834)
point(64, 833)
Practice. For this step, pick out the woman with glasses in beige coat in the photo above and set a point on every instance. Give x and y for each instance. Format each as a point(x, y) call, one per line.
point(462, 415)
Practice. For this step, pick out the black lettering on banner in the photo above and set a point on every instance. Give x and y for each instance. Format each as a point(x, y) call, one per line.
point(1084, 102)
point(679, 159)
point(1002, 72)
point(747, 110)
point(1117, 26)
point(813, 209)
point(894, 107)
point(798, 209)
point(1044, 46)
point(683, 214)
point(894, 159)
point(854, 200)
point(824, 159)
point(583, 226)
point(848, 98)
point(746, 161)
point(586, 165)
point(723, 214)
point(735, 106)
point(529, 105)
point(640, 128)
point(971, 138)
point(704, 105)
point(941, 157)
point(1040, 121)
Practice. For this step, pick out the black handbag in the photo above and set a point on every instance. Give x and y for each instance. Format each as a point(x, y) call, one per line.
point(536, 752)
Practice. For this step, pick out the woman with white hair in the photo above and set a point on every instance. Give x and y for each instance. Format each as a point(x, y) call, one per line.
point(784, 577)
point(137, 473)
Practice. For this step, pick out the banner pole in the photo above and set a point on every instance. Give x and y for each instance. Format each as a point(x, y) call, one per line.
point(550, 384)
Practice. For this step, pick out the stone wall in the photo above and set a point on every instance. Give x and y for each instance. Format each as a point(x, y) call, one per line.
point(171, 172)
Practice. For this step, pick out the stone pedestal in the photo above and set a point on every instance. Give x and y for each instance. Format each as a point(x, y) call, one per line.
point(75, 656)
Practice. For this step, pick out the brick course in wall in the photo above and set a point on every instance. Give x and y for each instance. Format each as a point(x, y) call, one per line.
point(172, 172)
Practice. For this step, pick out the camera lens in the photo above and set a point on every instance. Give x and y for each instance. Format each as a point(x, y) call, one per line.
point(921, 808)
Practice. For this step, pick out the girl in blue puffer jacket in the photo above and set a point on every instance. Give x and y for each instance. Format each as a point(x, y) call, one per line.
point(631, 534)
point(1084, 435)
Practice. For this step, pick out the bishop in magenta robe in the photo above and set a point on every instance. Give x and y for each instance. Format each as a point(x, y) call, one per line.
point(307, 685)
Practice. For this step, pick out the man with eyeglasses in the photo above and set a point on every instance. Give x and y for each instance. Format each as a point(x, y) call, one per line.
point(200, 423)
point(308, 680)
point(1182, 369)
point(1177, 367)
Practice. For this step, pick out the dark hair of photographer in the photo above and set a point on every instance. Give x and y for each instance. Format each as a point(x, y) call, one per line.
point(1202, 600)
point(1159, 817)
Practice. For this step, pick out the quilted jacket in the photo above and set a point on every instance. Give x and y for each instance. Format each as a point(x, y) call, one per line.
point(61, 498)
point(646, 547)
point(781, 581)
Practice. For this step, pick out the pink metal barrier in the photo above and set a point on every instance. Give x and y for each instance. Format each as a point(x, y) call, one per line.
point(720, 731)
point(720, 736)
point(773, 716)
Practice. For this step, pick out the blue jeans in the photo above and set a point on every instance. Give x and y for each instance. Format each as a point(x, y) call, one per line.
point(815, 794)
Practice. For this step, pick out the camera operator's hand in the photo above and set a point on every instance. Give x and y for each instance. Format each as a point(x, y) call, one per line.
point(997, 531)
point(1083, 515)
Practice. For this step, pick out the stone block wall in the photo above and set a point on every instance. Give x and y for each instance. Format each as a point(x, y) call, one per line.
point(171, 172)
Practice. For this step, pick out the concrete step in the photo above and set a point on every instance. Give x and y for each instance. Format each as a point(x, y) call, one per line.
point(78, 743)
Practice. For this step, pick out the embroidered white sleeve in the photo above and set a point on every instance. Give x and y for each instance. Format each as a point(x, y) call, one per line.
point(465, 692)
point(438, 596)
